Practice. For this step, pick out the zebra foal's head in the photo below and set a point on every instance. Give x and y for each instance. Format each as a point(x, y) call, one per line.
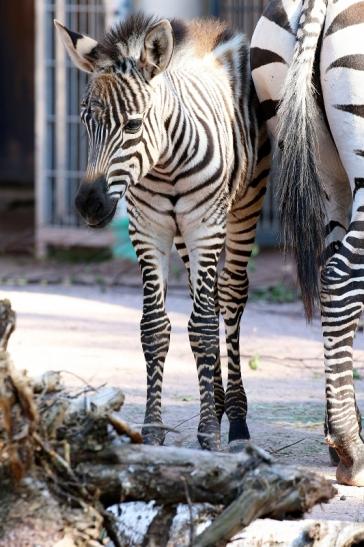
point(124, 130)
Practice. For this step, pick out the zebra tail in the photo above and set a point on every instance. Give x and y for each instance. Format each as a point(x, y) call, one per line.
point(300, 192)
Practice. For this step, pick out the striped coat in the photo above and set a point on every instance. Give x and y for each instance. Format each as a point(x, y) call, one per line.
point(308, 70)
point(171, 121)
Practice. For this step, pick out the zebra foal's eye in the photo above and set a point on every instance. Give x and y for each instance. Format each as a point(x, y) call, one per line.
point(132, 126)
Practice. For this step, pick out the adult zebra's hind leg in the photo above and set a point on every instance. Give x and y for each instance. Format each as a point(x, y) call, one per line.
point(152, 247)
point(233, 286)
point(342, 303)
point(219, 392)
point(339, 201)
point(342, 279)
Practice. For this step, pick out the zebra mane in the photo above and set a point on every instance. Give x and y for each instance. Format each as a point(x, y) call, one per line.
point(126, 37)
point(129, 34)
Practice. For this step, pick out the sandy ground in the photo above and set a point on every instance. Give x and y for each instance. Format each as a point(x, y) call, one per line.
point(94, 334)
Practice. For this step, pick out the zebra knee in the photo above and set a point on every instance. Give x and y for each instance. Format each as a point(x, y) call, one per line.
point(155, 330)
point(232, 293)
point(203, 331)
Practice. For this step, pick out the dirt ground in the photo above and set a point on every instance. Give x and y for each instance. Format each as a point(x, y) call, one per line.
point(93, 334)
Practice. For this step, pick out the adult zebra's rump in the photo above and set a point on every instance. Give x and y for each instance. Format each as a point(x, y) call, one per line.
point(308, 70)
point(170, 119)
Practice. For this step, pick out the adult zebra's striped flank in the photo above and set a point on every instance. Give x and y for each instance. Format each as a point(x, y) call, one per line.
point(170, 119)
point(308, 69)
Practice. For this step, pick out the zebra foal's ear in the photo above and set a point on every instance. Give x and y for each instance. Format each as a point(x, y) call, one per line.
point(81, 48)
point(157, 49)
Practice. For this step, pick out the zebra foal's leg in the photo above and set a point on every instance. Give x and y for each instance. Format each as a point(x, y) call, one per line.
point(204, 244)
point(233, 285)
point(219, 393)
point(152, 247)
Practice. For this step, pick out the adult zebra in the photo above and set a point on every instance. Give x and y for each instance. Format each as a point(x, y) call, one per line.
point(169, 117)
point(308, 61)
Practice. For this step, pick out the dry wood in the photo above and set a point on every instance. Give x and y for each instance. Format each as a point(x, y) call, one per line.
point(123, 428)
point(143, 473)
point(159, 529)
point(276, 491)
point(301, 533)
point(42, 501)
point(7, 323)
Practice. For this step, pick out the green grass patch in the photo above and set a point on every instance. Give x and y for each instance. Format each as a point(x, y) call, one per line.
point(278, 294)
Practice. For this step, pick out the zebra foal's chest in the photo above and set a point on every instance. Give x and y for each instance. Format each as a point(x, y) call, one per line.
point(191, 180)
point(176, 204)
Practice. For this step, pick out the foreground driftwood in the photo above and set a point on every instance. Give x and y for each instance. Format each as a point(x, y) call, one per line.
point(249, 483)
point(65, 459)
point(143, 473)
point(302, 533)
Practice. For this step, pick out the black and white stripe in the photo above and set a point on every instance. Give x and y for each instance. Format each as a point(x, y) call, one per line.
point(308, 70)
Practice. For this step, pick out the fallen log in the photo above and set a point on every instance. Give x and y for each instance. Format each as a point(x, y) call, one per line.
point(275, 491)
point(42, 501)
point(143, 473)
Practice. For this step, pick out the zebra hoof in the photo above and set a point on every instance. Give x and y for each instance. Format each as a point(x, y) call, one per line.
point(153, 436)
point(350, 470)
point(238, 431)
point(209, 437)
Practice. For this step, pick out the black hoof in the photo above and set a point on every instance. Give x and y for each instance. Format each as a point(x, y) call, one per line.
point(238, 431)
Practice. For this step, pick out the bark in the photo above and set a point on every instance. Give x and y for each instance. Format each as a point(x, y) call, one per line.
point(275, 491)
point(143, 473)
point(159, 529)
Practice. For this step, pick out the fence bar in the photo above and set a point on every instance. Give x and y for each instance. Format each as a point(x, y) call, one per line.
point(61, 119)
point(40, 125)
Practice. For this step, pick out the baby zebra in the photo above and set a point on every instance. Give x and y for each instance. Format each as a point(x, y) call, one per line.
point(170, 121)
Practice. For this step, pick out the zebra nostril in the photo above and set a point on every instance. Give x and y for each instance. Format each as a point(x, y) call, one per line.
point(91, 200)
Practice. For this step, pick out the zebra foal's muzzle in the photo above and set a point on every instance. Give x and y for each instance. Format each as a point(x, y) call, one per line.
point(95, 204)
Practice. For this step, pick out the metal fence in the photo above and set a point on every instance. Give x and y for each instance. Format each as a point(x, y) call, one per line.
point(241, 14)
point(61, 143)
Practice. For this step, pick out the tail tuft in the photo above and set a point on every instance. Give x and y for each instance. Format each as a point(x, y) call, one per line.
point(301, 196)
